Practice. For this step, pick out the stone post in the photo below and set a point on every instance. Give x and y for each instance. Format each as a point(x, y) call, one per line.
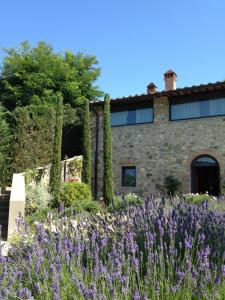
point(17, 202)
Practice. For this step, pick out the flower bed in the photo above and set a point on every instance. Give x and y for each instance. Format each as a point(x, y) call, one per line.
point(158, 250)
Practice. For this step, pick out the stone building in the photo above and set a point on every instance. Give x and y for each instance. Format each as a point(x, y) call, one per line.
point(179, 132)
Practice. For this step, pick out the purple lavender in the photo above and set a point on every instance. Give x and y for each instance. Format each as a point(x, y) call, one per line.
point(143, 252)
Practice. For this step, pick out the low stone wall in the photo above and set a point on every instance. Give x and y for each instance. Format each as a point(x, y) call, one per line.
point(71, 171)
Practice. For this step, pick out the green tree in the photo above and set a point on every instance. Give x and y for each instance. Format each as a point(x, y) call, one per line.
point(5, 141)
point(33, 75)
point(107, 153)
point(55, 176)
point(86, 170)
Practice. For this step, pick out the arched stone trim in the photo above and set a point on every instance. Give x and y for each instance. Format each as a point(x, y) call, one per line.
point(195, 154)
point(207, 152)
point(214, 185)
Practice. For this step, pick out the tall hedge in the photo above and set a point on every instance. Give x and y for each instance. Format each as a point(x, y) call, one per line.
point(33, 129)
point(33, 135)
point(107, 153)
point(55, 176)
point(5, 143)
point(86, 170)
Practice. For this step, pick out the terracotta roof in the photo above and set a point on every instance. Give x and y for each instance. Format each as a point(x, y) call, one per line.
point(219, 85)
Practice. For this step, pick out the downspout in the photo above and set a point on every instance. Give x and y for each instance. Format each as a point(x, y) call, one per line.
point(96, 152)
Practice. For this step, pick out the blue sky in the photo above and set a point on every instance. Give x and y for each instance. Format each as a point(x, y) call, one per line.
point(134, 41)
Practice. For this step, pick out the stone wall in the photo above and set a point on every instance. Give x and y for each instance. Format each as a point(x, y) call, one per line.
point(161, 148)
point(71, 170)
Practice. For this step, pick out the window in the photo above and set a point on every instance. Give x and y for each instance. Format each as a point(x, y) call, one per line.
point(129, 176)
point(134, 116)
point(197, 109)
point(204, 160)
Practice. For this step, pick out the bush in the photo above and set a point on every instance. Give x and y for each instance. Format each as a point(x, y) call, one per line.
point(40, 215)
point(75, 191)
point(78, 196)
point(171, 184)
point(197, 198)
point(37, 197)
point(121, 202)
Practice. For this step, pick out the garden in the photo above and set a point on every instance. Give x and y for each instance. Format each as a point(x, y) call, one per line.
point(70, 246)
point(157, 248)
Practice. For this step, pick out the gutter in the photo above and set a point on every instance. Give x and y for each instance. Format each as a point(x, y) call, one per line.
point(96, 152)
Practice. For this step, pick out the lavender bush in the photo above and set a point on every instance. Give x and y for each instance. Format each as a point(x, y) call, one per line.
point(163, 249)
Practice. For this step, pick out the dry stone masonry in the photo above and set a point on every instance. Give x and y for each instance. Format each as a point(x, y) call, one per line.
point(160, 148)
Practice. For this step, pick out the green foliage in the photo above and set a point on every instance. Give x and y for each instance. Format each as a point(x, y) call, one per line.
point(217, 204)
point(37, 197)
point(171, 184)
point(107, 154)
point(30, 80)
point(34, 75)
point(78, 196)
point(33, 135)
point(86, 169)
point(5, 142)
point(39, 215)
point(88, 206)
point(55, 176)
point(119, 203)
point(36, 124)
point(75, 192)
point(197, 198)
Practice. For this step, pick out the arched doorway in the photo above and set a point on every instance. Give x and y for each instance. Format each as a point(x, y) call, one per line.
point(205, 172)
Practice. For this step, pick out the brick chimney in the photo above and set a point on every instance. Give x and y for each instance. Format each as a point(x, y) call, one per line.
point(170, 78)
point(151, 88)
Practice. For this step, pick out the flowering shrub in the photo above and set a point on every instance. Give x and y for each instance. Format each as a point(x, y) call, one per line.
point(120, 202)
point(157, 250)
point(74, 179)
point(197, 198)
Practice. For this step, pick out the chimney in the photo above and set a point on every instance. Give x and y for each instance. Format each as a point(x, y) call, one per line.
point(151, 88)
point(170, 78)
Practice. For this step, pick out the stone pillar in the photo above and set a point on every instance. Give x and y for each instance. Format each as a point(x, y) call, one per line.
point(17, 202)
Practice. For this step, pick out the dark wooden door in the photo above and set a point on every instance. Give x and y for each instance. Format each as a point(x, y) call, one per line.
point(206, 179)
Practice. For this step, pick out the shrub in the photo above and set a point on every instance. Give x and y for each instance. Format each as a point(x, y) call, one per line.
point(39, 215)
point(78, 196)
point(197, 198)
point(37, 197)
point(90, 206)
point(121, 202)
point(75, 191)
point(171, 184)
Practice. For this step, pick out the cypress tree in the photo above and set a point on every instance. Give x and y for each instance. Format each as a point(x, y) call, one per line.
point(55, 176)
point(107, 153)
point(86, 169)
